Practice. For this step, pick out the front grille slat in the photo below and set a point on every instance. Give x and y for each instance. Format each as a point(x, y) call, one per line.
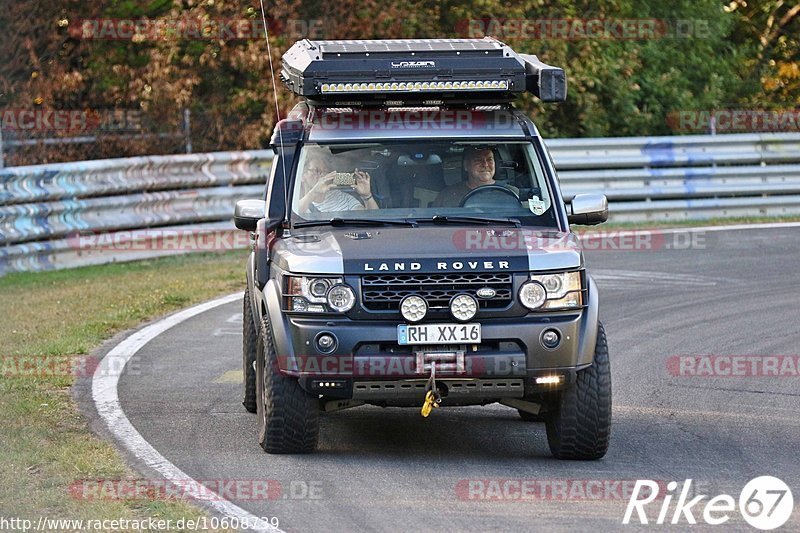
point(383, 292)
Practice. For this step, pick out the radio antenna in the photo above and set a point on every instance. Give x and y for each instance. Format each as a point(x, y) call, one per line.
point(277, 109)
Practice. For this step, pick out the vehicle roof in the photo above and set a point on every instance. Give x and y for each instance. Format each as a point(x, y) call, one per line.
point(417, 123)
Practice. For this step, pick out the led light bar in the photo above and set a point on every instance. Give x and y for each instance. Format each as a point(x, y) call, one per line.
point(418, 86)
point(364, 73)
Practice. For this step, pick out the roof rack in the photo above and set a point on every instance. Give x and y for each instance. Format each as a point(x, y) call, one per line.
point(426, 72)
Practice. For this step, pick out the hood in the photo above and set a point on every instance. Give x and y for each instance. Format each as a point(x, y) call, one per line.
point(442, 249)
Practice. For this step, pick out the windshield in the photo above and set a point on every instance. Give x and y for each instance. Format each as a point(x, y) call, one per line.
point(420, 181)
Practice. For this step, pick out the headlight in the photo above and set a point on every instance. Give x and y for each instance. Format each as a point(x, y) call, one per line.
point(341, 298)
point(532, 294)
point(563, 290)
point(309, 294)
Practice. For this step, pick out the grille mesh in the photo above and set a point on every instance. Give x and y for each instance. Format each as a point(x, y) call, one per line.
point(382, 292)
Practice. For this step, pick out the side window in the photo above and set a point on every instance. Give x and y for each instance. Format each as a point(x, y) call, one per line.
point(270, 178)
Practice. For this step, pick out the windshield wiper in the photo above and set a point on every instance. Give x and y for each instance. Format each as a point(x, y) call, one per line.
point(458, 219)
point(337, 222)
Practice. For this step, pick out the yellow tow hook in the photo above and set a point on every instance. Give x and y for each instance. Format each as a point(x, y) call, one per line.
point(432, 396)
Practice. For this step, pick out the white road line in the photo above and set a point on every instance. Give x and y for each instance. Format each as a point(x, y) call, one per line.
point(106, 399)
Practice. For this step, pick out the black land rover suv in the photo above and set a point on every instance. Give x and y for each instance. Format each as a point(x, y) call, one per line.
point(413, 248)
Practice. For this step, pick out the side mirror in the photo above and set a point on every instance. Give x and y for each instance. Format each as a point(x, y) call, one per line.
point(588, 209)
point(248, 212)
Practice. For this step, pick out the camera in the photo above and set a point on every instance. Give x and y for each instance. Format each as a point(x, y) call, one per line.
point(344, 179)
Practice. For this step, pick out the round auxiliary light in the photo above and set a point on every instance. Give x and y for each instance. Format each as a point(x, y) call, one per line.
point(325, 87)
point(532, 294)
point(479, 84)
point(413, 308)
point(448, 85)
point(378, 86)
point(371, 86)
point(403, 86)
point(340, 87)
point(348, 87)
point(341, 298)
point(418, 85)
point(440, 85)
point(463, 307)
point(426, 85)
point(394, 86)
point(471, 85)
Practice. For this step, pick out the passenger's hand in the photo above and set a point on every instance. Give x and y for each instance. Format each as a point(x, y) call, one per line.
point(363, 184)
point(321, 188)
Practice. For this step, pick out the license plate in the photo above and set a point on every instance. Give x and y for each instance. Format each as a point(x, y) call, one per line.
point(438, 333)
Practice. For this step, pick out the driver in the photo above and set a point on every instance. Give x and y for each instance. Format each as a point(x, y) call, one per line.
point(479, 166)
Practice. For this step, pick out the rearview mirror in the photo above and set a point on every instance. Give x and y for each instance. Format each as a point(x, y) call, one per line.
point(248, 212)
point(588, 209)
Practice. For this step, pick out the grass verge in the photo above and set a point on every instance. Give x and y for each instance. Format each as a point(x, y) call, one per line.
point(46, 444)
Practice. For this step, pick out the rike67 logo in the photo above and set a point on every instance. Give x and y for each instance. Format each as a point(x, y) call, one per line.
point(765, 503)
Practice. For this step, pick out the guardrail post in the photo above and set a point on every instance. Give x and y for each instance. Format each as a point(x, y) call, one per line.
point(187, 129)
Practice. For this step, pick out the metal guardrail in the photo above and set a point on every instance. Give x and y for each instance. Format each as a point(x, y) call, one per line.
point(684, 178)
point(43, 208)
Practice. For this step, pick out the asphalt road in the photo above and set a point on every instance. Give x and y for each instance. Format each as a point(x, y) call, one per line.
point(731, 293)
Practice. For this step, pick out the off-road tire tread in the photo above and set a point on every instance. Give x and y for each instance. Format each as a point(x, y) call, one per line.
point(249, 348)
point(579, 428)
point(290, 422)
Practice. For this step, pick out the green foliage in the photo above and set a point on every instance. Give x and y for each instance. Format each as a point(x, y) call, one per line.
point(729, 54)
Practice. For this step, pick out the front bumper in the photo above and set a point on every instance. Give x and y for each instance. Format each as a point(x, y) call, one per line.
point(367, 354)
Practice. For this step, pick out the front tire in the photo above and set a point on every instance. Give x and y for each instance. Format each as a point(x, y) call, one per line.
point(579, 425)
point(249, 340)
point(288, 415)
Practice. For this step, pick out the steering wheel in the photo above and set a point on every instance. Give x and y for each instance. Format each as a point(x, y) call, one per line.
point(489, 192)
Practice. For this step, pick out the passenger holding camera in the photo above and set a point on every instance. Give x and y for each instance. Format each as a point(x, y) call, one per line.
point(323, 192)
